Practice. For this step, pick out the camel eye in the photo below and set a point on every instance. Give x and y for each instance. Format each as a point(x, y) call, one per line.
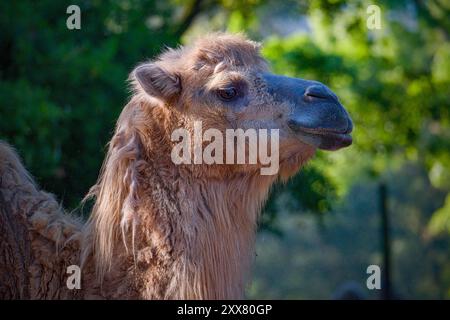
point(227, 94)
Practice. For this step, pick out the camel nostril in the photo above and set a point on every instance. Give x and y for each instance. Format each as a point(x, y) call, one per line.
point(319, 92)
point(314, 95)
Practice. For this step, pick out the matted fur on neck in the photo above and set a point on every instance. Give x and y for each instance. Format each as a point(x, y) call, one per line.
point(196, 230)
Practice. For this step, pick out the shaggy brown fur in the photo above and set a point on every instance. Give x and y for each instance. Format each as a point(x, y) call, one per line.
point(157, 230)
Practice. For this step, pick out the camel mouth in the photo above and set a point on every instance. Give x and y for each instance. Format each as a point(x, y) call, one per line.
point(330, 132)
point(329, 141)
point(325, 139)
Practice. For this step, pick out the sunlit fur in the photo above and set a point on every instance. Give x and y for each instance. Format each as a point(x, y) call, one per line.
point(160, 230)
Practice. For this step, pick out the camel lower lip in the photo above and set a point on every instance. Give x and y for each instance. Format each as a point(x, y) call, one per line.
point(334, 141)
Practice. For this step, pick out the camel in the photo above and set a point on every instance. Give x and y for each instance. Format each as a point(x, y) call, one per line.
point(160, 230)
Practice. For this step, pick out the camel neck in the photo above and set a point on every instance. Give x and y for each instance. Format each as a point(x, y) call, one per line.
point(177, 232)
point(200, 245)
point(226, 250)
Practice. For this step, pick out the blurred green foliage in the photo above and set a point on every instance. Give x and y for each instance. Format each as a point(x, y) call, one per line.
point(61, 92)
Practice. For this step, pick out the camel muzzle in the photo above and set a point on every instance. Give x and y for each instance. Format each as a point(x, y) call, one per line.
point(317, 117)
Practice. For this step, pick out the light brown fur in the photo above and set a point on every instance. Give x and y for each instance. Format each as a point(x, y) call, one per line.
point(157, 230)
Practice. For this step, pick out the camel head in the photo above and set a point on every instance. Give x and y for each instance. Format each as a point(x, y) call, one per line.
point(222, 81)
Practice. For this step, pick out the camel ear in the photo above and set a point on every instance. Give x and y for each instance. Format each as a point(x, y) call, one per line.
point(157, 82)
